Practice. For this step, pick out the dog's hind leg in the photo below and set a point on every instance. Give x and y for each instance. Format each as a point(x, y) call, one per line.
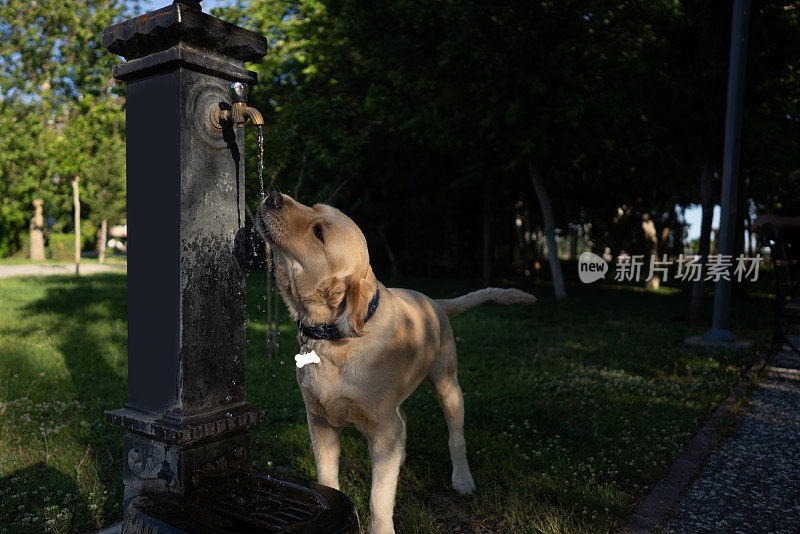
point(443, 376)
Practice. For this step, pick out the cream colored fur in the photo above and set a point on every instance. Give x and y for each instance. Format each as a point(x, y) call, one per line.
point(323, 271)
point(488, 294)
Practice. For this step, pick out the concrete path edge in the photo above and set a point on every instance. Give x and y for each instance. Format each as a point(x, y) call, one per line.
point(652, 511)
point(43, 269)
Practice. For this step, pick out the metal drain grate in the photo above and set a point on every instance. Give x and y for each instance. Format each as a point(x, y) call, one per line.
point(264, 509)
point(263, 505)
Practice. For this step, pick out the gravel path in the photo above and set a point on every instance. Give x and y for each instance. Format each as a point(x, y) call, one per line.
point(7, 271)
point(751, 484)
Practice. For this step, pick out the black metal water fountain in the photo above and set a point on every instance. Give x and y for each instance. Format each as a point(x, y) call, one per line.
point(187, 464)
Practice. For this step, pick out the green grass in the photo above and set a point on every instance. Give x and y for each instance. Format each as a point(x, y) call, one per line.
point(573, 409)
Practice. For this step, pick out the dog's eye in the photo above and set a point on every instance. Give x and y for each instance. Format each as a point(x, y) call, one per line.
point(318, 232)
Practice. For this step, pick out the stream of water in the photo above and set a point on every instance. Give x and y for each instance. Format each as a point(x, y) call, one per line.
point(261, 159)
point(271, 302)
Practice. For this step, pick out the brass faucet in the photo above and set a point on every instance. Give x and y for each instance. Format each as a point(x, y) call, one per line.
point(239, 112)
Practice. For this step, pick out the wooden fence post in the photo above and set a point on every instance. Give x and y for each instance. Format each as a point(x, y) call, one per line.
point(77, 201)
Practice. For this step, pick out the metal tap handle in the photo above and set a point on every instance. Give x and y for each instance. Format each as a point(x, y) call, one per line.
point(239, 91)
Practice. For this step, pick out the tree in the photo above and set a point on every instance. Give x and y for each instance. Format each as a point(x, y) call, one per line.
point(106, 196)
point(91, 145)
point(51, 67)
point(410, 111)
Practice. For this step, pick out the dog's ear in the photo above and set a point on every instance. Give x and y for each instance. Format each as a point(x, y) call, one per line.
point(349, 298)
point(354, 306)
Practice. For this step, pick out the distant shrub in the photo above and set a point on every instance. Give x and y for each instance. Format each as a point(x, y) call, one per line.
point(24, 250)
point(61, 247)
point(88, 235)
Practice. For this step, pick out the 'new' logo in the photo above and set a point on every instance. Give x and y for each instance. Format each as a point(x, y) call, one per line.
point(591, 267)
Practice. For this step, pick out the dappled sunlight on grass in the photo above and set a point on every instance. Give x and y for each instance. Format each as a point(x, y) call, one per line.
point(63, 362)
point(573, 409)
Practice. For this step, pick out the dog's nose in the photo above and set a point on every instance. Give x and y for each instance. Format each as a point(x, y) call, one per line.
point(274, 200)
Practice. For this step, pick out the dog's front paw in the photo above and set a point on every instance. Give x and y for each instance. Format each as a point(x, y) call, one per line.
point(463, 483)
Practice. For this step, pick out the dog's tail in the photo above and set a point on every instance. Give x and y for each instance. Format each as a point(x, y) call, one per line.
point(489, 294)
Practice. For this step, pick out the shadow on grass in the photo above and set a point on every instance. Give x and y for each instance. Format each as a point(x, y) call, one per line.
point(37, 495)
point(86, 318)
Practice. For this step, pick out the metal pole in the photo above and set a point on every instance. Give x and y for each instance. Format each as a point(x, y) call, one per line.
point(730, 168)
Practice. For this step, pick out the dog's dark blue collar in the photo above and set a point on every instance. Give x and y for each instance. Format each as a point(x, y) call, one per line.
point(330, 332)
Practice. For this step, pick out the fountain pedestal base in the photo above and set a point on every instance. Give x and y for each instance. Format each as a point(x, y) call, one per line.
point(259, 504)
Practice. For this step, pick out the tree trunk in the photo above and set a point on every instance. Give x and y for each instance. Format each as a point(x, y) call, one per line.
point(549, 232)
point(707, 202)
point(101, 254)
point(36, 232)
point(662, 241)
point(487, 234)
point(77, 202)
point(651, 252)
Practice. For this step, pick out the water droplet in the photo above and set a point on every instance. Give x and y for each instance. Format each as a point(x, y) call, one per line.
point(233, 383)
point(228, 398)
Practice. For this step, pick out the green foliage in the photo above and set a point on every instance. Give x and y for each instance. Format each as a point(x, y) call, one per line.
point(51, 51)
point(411, 111)
point(89, 234)
point(59, 114)
point(24, 250)
point(61, 247)
point(407, 114)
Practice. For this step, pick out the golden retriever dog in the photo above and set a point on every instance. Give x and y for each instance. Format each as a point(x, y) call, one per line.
point(372, 346)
